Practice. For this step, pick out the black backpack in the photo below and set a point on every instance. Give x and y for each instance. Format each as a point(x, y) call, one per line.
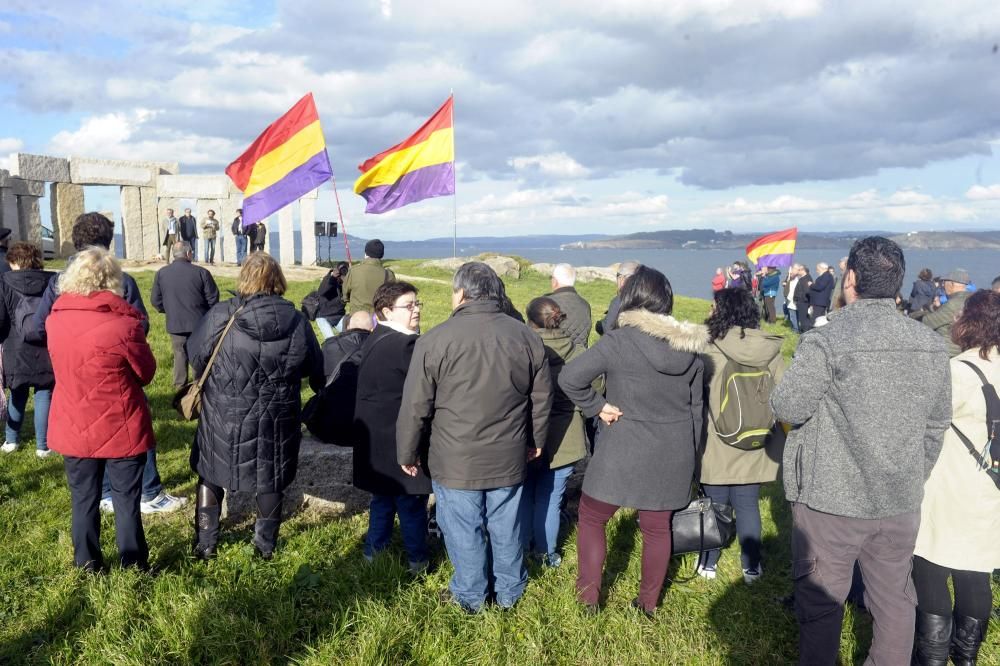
point(311, 303)
point(989, 458)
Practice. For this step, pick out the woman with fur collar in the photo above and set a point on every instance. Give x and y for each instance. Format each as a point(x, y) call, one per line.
point(645, 456)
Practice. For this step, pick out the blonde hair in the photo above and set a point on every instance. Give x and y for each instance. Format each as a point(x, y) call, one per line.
point(261, 274)
point(92, 269)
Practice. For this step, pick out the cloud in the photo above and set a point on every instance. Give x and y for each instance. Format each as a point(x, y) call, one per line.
point(983, 193)
point(555, 165)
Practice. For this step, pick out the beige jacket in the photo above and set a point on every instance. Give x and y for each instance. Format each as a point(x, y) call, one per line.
point(960, 514)
point(721, 464)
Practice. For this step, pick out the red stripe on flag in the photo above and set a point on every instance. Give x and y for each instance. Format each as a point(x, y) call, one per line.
point(441, 119)
point(787, 234)
point(277, 133)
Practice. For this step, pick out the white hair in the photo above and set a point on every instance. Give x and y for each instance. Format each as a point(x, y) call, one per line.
point(822, 267)
point(564, 274)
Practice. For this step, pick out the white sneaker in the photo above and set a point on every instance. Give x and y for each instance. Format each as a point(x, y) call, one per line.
point(44, 453)
point(162, 503)
point(706, 572)
point(106, 505)
point(9, 447)
point(751, 576)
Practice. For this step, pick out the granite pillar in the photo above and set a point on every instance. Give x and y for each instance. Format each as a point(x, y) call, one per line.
point(131, 208)
point(307, 223)
point(66, 204)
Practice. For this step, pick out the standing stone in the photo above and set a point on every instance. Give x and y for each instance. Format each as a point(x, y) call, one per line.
point(66, 203)
point(151, 237)
point(9, 214)
point(114, 238)
point(286, 236)
point(29, 215)
point(307, 221)
point(131, 207)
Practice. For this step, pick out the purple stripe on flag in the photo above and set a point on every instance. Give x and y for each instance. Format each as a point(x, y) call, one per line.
point(432, 181)
point(776, 260)
point(299, 181)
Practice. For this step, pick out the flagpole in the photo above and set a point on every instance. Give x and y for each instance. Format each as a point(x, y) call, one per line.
point(340, 214)
point(454, 197)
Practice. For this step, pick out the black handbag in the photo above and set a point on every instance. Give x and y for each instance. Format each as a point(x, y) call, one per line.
point(702, 526)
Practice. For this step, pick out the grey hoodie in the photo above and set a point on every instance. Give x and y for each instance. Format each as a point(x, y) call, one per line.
point(869, 395)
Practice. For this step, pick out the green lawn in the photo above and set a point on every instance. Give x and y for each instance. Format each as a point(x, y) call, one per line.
point(318, 602)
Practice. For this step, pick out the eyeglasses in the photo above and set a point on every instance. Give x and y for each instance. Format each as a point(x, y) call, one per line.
point(409, 306)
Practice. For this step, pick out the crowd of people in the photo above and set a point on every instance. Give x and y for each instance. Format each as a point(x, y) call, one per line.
point(185, 229)
point(884, 442)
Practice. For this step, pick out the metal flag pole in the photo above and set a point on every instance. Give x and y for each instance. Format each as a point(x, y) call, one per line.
point(340, 215)
point(454, 175)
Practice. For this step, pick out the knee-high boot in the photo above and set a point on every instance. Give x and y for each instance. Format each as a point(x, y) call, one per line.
point(968, 636)
point(932, 639)
point(265, 536)
point(206, 526)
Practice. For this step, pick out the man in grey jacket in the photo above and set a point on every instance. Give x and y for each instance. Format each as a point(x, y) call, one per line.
point(572, 304)
point(480, 383)
point(869, 399)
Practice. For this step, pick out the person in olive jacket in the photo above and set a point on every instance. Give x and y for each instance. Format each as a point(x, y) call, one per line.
point(26, 365)
point(250, 427)
point(385, 360)
point(566, 443)
point(364, 278)
point(653, 414)
point(480, 383)
point(730, 475)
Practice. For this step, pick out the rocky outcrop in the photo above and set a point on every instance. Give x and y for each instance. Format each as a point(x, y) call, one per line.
point(505, 267)
point(583, 273)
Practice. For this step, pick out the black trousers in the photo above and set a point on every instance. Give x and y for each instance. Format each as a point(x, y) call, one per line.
point(125, 474)
point(973, 596)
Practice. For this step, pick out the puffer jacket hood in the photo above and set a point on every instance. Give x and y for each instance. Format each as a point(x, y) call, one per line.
point(682, 336)
point(757, 348)
point(29, 282)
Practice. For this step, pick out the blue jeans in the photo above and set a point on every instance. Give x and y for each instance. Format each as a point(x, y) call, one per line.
point(325, 328)
point(793, 316)
point(210, 250)
point(241, 249)
point(412, 511)
point(540, 502)
point(194, 249)
point(15, 414)
point(465, 518)
point(151, 484)
point(745, 500)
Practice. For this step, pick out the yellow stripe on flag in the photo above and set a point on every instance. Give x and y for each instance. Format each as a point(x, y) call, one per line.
point(439, 148)
point(295, 152)
point(778, 247)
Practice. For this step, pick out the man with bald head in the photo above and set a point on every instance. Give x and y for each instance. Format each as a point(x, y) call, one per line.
point(610, 322)
point(572, 304)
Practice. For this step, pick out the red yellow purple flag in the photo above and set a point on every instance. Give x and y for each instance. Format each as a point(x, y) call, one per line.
point(775, 249)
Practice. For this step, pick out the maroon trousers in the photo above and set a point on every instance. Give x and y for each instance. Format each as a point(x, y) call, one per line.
point(592, 548)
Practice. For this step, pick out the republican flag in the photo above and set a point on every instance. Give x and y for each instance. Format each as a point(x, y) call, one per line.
point(285, 162)
point(774, 249)
point(421, 167)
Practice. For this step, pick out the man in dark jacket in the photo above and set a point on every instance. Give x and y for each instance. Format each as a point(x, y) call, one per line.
point(184, 292)
point(95, 229)
point(240, 234)
point(189, 231)
point(572, 304)
point(610, 321)
point(868, 397)
point(258, 237)
point(801, 298)
point(820, 293)
point(480, 381)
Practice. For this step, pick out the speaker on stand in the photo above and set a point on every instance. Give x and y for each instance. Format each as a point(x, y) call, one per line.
point(319, 231)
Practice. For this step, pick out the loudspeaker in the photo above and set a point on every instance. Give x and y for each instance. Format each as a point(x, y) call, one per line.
point(320, 228)
point(331, 228)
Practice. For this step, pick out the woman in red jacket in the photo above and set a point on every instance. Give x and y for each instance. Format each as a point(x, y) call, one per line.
point(99, 417)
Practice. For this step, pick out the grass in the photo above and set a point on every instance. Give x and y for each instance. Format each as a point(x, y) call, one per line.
point(318, 602)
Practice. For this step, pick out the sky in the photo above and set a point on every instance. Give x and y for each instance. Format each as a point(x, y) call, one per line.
point(571, 116)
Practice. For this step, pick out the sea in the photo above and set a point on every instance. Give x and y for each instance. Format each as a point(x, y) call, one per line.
point(690, 271)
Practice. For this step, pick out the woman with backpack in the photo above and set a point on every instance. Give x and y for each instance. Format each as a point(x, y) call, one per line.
point(27, 366)
point(960, 513)
point(742, 446)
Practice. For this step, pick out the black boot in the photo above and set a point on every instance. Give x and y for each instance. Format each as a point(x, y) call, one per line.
point(932, 640)
point(207, 515)
point(968, 636)
point(265, 536)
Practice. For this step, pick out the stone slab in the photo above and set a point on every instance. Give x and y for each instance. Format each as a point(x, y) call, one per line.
point(5, 178)
point(66, 204)
point(286, 235)
point(41, 167)
point(29, 214)
point(90, 171)
point(9, 218)
point(194, 186)
point(26, 188)
point(307, 222)
point(150, 226)
point(131, 208)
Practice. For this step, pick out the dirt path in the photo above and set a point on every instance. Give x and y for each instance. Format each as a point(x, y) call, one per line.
point(292, 274)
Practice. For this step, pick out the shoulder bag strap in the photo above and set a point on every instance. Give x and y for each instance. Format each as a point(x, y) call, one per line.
point(975, 368)
point(961, 435)
point(218, 346)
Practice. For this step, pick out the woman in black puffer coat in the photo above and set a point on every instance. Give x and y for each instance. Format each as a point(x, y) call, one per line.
point(250, 427)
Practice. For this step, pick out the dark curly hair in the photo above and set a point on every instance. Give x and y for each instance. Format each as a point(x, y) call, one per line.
point(979, 324)
point(733, 307)
point(543, 312)
point(387, 294)
point(93, 229)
